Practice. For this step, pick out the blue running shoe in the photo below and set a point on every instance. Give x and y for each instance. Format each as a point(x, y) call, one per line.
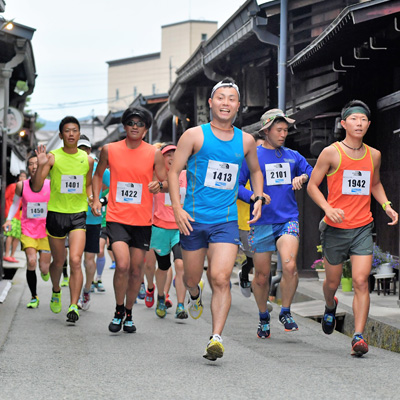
point(116, 324)
point(263, 331)
point(287, 321)
point(142, 291)
point(129, 326)
point(329, 319)
point(112, 266)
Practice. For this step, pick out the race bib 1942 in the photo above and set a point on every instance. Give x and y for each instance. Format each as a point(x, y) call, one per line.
point(356, 182)
point(72, 184)
point(221, 175)
point(129, 193)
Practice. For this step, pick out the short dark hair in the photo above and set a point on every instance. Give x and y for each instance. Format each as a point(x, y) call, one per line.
point(30, 156)
point(84, 137)
point(68, 120)
point(355, 103)
point(140, 112)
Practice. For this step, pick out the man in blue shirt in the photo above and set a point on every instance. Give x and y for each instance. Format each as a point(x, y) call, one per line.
point(284, 171)
point(208, 220)
point(93, 228)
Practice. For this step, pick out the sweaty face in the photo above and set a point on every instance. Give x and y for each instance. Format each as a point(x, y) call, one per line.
point(356, 125)
point(134, 132)
point(224, 104)
point(32, 166)
point(168, 158)
point(70, 134)
point(277, 133)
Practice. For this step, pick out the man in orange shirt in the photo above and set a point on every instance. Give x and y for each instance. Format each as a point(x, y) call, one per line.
point(132, 163)
point(352, 170)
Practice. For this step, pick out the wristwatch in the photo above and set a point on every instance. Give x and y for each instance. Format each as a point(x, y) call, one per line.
point(161, 185)
point(262, 198)
point(387, 203)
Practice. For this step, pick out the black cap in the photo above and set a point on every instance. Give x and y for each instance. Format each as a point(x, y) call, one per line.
point(142, 113)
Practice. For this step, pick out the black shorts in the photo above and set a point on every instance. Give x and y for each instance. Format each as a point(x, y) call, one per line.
point(103, 233)
point(134, 236)
point(92, 239)
point(58, 225)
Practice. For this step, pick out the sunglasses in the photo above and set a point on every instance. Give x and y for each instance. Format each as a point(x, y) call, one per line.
point(139, 124)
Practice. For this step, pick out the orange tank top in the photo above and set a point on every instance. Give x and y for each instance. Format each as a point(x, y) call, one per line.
point(349, 188)
point(131, 170)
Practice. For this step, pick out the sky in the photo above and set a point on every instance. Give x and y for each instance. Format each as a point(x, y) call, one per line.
point(75, 38)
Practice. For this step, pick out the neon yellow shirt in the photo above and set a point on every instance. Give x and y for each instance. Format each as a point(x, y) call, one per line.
point(68, 182)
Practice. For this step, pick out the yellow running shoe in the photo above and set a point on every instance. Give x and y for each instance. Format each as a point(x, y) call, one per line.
point(195, 307)
point(214, 348)
point(45, 277)
point(34, 303)
point(55, 303)
point(65, 282)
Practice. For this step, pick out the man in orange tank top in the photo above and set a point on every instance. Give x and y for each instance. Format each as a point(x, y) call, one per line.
point(352, 170)
point(132, 163)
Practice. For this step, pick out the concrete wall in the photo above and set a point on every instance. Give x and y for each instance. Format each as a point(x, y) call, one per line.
point(153, 75)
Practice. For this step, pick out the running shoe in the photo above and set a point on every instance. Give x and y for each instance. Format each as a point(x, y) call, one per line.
point(55, 303)
point(195, 305)
point(112, 266)
point(287, 321)
point(149, 299)
point(116, 324)
point(270, 307)
point(99, 286)
point(85, 301)
point(73, 313)
point(65, 282)
point(168, 302)
point(79, 304)
point(180, 312)
point(245, 286)
point(161, 309)
point(214, 348)
point(264, 331)
point(34, 303)
point(329, 319)
point(129, 326)
point(45, 277)
point(359, 346)
point(92, 286)
point(142, 291)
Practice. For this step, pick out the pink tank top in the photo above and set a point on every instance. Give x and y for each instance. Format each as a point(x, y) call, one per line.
point(163, 216)
point(34, 210)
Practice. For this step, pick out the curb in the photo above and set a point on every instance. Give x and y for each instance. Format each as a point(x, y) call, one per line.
point(9, 307)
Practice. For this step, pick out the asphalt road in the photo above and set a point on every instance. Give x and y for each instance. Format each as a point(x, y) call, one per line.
point(42, 357)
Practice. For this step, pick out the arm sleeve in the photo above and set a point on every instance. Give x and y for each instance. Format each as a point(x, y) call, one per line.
point(244, 194)
point(14, 207)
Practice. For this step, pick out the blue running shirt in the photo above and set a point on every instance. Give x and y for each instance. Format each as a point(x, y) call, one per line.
point(213, 178)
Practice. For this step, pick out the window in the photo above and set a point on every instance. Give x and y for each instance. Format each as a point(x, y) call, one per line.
point(154, 88)
point(204, 36)
point(134, 92)
point(117, 94)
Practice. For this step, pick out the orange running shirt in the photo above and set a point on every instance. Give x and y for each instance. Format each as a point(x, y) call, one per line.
point(349, 188)
point(131, 170)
